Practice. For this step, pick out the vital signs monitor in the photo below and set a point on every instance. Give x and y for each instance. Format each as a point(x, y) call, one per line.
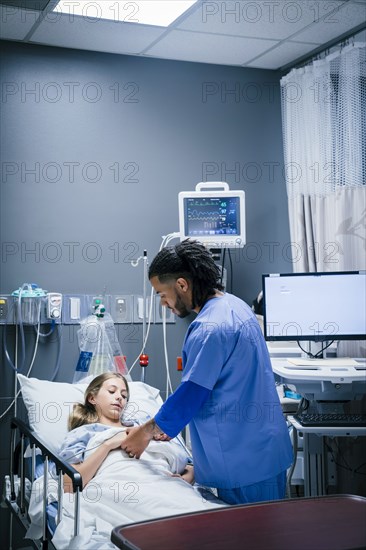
point(213, 215)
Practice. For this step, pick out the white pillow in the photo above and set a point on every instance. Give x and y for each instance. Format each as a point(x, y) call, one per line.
point(49, 404)
point(144, 402)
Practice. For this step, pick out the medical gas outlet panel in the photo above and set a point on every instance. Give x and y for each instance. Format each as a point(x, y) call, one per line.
point(123, 308)
point(71, 308)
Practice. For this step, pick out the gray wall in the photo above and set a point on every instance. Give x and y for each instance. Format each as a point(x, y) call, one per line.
point(71, 222)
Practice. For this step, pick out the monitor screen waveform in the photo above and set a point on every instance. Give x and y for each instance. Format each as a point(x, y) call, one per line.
point(212, 216)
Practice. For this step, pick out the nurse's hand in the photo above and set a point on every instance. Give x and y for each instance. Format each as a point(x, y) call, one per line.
point(139, 437)
point(136, 441)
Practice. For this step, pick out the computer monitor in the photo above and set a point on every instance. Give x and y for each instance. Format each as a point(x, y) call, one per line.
point(315, 306)
point(213, 215)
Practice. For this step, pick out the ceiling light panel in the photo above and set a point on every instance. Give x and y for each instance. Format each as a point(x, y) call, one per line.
point(101, 35)
point(148, 12)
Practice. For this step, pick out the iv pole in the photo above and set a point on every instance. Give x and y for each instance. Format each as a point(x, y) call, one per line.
point(144, 359)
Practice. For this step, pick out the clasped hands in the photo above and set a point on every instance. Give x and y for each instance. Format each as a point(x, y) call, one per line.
point(139, 437)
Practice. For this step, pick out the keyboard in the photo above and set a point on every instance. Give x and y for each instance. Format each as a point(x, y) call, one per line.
point(332, 419)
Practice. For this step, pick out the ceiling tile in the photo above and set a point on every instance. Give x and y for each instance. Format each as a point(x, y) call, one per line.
point(15, 22)
point(208, 48)
point(276, 19)
point(281, 55)
point(350, 15)
point(98, 35)
point(264, 34)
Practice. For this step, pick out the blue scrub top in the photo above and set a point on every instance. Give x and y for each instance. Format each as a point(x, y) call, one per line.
point(239, 436)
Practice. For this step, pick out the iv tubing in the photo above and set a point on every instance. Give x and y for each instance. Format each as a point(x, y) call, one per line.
point(165, 241)
point(20, 320)
point(17, 392)
point(169, 387)
point(57, 367)
point(168, 381)
point(144, 312)
point(147, 332)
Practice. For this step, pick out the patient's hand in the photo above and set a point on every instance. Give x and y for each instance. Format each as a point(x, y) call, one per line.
point(115, 441)
point(136, 441)
point(162, 437)
point(187, 474)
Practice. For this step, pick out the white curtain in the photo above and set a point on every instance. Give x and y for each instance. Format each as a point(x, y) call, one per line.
point(324, 131)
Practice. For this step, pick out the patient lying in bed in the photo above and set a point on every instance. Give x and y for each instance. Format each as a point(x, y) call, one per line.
point(105, 399)
point(118, 489)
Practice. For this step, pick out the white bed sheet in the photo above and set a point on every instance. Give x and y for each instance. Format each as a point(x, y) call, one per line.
point(123, 491)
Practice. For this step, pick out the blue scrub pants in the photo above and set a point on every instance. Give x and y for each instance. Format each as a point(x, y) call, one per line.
point(269, 489)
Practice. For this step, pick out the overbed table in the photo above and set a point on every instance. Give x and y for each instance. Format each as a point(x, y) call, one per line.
point(330, 522)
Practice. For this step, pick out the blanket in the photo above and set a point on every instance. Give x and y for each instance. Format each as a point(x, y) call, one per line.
point(126, 490)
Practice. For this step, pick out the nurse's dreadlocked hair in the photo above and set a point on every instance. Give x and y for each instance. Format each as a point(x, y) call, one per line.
point(190, 260)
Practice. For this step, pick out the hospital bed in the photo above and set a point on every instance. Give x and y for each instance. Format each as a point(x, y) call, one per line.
point(21, 479)
point(85, 518)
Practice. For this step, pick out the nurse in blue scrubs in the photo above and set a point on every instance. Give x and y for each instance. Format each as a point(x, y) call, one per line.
point(240, 441)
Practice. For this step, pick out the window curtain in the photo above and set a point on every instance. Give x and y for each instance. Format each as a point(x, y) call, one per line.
point(324, 132)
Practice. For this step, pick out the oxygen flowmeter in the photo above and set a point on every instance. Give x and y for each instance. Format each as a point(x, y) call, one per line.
point(54, 305)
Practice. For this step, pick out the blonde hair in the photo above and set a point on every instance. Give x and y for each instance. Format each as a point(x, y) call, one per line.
point(86, 413)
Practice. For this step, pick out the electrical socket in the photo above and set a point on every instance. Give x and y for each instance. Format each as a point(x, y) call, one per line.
point(170, 317)
point(138, 303)
point(74, 308)
point(122, 306)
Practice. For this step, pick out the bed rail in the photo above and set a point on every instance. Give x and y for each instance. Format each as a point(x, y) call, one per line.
point(62, 467)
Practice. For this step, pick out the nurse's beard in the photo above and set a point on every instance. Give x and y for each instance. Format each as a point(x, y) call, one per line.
point(181, 308)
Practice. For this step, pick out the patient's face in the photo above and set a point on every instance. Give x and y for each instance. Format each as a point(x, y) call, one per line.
point(110, 401)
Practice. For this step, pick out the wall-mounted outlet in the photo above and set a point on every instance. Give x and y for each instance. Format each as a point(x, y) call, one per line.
point(5, 307)
point(169, 315)
point(74, 308)
point(121, 308)
point(138, 309)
